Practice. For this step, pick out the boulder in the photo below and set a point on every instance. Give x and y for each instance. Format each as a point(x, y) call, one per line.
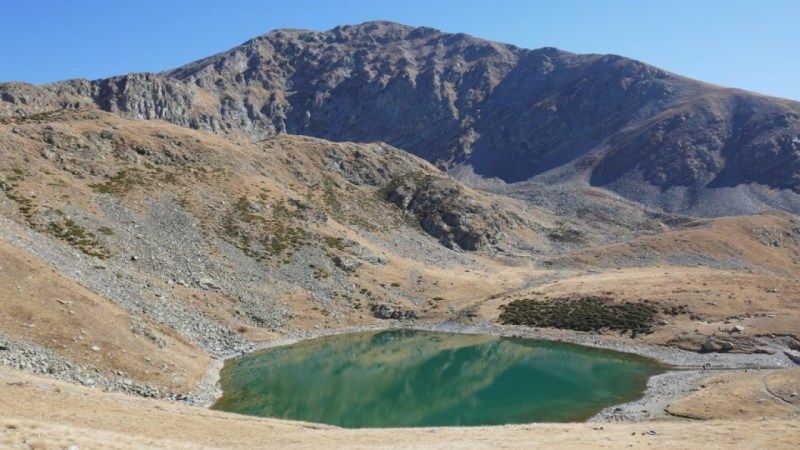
point(793, 356)
point(208, 284)
point(383, 311)
point(710, 346)
point(346, 264)
point(727, 346)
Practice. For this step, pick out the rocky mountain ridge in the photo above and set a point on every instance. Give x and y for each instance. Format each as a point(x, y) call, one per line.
point(152, 223)
point(494, 110)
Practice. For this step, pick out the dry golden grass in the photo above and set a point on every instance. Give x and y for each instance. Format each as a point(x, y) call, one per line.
point(43, 306)
point(766, 298)
point(52, 414)
point(744, 395)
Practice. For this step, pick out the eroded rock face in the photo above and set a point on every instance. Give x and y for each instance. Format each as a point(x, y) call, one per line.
point(455, 100)
point(137, 96)
point(438, 204)
point(146, 96)
point(386, 312)
point(444, 211)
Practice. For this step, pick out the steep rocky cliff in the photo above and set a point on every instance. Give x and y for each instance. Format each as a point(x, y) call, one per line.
point(461, 102)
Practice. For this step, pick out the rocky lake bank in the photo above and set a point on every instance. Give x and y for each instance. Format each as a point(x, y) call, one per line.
point(685, 370)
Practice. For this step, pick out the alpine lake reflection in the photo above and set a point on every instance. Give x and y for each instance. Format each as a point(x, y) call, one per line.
point(404, 378)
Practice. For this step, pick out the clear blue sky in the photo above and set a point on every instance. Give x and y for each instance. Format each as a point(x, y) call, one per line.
point(749, 44)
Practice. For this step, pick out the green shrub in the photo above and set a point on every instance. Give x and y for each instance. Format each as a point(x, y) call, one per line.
point(581, 314)
point(118, 184)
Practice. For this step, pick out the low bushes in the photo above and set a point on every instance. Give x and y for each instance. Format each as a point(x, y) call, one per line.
point(582, 314)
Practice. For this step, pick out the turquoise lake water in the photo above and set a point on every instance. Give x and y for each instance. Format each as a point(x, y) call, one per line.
point(416, 378)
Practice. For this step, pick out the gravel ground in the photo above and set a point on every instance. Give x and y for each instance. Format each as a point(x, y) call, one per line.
point(166, 245)
point(162, 246)
point(176, 257)
point(33, 358)
point(127, 291)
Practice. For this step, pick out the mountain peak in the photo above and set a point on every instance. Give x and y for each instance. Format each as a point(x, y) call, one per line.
point(375, 26)
point(462, 102)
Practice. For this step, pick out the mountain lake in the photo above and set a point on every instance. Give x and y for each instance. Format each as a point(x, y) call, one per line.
point(405, 378)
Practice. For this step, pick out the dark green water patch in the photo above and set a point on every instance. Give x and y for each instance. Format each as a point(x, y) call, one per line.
point(415, 378)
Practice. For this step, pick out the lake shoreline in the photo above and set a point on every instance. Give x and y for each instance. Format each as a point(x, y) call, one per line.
point(684, 375)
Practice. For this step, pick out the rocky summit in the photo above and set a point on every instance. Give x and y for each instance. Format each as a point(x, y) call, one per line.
point(479, 109)
point(380, 176)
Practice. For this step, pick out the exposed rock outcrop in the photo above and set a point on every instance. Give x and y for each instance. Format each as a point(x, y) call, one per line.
point(445, 212)
point(386, 312)
point(458, 101)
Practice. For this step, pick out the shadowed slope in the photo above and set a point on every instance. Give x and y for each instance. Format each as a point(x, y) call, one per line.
point(455, 100)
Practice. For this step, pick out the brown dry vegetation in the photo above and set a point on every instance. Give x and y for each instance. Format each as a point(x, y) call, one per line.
point(750, 395)
point(49, 414)
point(45, 307)
point(284, 192)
